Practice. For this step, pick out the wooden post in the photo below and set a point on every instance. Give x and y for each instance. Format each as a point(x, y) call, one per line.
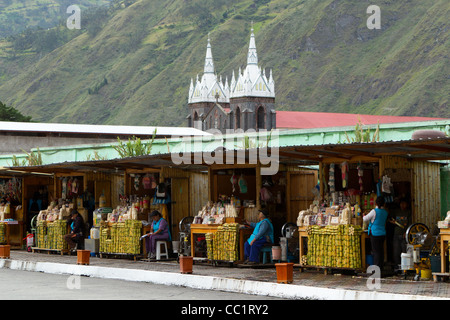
point(288, 195)
point(321, 182)
point(258, 186)
point(210, 182)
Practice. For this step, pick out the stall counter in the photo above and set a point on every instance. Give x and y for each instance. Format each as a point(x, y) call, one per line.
point(212, 228)
point(303, 234)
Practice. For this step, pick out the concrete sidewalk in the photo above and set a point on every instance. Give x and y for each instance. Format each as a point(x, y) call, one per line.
point(309, 284)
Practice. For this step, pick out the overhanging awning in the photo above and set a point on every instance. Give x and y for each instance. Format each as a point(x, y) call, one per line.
point(425, 150)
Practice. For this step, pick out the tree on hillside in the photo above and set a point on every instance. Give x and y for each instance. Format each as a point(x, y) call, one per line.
point(12, 114)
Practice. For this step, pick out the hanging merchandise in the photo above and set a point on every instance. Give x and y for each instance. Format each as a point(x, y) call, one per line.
point(69, 187)
point(234, 181)
point(387, 188)
point(146, 182)
point(164, 212)
point(266, 195)
point(136, 182)
point(242, 184)
point(64, 188)
point(360, 175)
point(282, 181)
point(153, 182)
point(379, 183)
point(344, 171)
point(161, 190)
point(102, 200)
point(279, 197)
point(373, 200)
point(267, 182)
point(386, 185)
point(331, 179)
point(75, 185)
point(79, 202)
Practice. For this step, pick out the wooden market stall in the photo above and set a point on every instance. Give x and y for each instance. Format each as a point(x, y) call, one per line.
point(411, 166)
point(246, 190)
point(23, 195)
point(107, 189)
point(53, 191)
point(11, 210)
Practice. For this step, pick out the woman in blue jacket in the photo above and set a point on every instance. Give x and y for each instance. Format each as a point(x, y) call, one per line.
point(262, 234)
point(160, 231)
point(377, 231)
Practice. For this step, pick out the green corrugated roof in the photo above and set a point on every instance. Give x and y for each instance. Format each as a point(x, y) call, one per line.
point(285, 138)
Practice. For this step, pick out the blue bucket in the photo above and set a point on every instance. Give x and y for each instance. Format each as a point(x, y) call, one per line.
point(369, 259)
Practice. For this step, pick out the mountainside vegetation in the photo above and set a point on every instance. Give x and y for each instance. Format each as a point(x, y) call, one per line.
point(132, 61)
point(19, 15)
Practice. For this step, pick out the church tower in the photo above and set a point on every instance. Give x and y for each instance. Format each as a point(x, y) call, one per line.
point(206, 92)
point(252, 94)
point(248, 102)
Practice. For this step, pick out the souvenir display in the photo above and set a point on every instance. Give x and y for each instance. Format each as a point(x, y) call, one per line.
point(215, 213)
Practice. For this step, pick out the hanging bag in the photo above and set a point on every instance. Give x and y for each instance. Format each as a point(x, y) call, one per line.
point(161, 191)
point(242, 184)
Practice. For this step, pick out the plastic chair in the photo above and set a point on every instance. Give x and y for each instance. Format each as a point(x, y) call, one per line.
point(160, 254)
point(266, 250)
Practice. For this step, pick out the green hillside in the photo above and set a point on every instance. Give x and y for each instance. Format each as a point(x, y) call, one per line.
point(17, 15)
point(137, 65)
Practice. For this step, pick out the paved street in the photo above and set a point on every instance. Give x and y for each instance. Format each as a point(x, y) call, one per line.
point(308, 284)
point(25, 285)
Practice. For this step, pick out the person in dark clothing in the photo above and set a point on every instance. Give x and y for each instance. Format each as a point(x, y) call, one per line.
point(76, 235)
point(401, 219)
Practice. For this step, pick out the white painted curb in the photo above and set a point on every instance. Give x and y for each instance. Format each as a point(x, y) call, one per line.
point(288, 291)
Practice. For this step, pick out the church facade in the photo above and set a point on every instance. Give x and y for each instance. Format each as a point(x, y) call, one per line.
point(245, 102)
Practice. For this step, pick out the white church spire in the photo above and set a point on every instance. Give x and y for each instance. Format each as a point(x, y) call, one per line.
point(252, 82)
point(252, 57)
point(209, 62)
point(209, 85)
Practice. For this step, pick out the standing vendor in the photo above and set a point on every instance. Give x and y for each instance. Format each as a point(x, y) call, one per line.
point(76, 236)
point(377, 231)
point(262, 235)
point(401, 218)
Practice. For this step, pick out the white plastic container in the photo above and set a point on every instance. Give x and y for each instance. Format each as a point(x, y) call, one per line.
point(95, 233)
point(175, 246)
point(407, 262)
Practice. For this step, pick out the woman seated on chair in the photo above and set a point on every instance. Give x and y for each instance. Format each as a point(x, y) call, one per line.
point(262, 235)
point(159, 232)
point(75, 239)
